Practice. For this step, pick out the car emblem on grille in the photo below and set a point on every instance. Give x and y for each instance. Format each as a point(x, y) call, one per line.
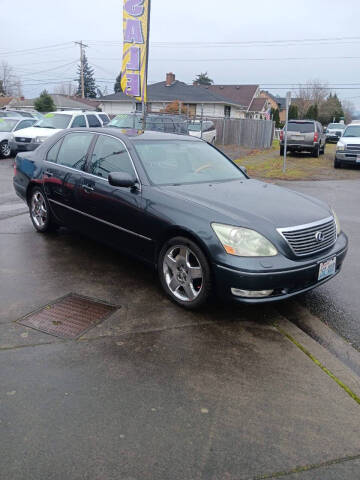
point(319, 236)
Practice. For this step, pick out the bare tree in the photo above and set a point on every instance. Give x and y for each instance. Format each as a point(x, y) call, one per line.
point(66, 88)
point(313, 92)
point(11, 84)
point(349, 110)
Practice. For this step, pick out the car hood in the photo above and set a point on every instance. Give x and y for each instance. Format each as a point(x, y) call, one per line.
point(32, 132)
point(353, 140)
point(249, 202)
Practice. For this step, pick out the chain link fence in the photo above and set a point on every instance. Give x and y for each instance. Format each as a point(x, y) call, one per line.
point(245, 132)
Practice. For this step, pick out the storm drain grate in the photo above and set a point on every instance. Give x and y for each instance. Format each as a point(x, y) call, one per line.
point(69, 317)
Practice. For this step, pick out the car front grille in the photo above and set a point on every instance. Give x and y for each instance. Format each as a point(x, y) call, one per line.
point(354, 148)
point(22, 140)
point(312, 238)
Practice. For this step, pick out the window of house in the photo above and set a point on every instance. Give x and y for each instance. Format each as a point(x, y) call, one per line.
point(227, 111)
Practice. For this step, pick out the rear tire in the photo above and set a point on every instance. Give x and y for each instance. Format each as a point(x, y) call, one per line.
point(40, 212)
point(316, 152)
point(185, 273)
point(281, 151)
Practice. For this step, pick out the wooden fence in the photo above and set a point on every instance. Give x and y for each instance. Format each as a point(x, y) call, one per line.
point(244, 132)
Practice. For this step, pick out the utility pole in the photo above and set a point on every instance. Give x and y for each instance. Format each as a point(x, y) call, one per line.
point(82, 46)
point(288, 103)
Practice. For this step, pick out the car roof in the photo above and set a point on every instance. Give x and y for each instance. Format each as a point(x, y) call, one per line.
point(130, 135)
point(303, 120)
point(75, 112)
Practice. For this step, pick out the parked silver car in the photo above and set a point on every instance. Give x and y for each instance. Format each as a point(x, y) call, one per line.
point(8, 126)
point(303, 135)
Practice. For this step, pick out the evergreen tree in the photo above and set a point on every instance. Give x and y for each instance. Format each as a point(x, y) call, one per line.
point(203, 79)
point(331, 110)
point(312, 112)
point(293, 112)
point(44, 103)
point(276, 116)
point(117, 85)
point(89, 80)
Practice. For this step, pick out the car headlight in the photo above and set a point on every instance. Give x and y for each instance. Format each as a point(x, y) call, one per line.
point(39, 139)
point(337, 223)
point(340, 146)
point(243, 242)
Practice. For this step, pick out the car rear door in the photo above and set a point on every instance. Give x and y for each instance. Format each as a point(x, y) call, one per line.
point(62, 174)
point(114, 214)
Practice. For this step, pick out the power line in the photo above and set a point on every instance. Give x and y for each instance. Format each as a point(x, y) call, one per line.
point(29, 50)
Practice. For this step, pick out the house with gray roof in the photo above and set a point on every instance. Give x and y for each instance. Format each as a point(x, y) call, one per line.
point(62, 102)
point(196, 99)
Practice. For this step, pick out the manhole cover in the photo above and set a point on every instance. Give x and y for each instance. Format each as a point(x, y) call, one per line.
point(68, 317)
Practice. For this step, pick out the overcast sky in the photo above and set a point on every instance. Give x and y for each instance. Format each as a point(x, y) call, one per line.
point(46, 23)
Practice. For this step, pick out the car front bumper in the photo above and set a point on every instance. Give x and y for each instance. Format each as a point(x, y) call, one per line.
point(23, 147)
point(349, 157)
point(299, 277)
point(332, 137)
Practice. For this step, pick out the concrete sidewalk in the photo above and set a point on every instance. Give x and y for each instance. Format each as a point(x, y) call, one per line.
point(155, 392)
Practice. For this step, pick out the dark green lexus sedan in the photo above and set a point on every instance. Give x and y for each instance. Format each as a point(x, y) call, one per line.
point(181, 205)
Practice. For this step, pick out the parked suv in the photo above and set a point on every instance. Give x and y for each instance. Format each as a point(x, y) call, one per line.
point(348, 147)
point(30, 138)
point(303, 135)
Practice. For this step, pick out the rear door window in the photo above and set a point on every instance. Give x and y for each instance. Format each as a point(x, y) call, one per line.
point(53, 152)
point(301, 127)
point(79, 121)
point(104, 118)
point(93, 121)
point(74, 149)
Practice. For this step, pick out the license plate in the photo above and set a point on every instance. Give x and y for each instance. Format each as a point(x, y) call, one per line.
point(327, 268)
point(357, 158)
point(297, 137)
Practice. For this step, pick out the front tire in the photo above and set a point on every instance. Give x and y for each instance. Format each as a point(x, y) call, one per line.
point(185, 273)
point(40, 212)
point(337, 163)
point(5, 150)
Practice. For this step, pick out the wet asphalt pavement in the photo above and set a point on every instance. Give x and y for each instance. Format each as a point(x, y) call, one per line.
point(155, 392)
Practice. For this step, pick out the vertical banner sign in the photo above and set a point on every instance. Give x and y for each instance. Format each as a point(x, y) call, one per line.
point(136, 26)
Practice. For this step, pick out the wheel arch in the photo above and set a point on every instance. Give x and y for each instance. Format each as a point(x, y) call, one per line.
point(177, 231)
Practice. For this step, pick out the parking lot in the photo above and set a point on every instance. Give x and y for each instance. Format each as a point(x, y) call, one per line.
point(153, 391)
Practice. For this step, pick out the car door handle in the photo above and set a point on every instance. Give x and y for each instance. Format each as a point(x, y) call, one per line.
point(48, 174)
point(88, 188)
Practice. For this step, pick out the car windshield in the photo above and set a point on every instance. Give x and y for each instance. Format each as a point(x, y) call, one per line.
point(6, 124)
point(54, 120)
point(126, 121)
point(194, 127)
point(336, 126)
point(175, 162)
point(353, 131)
point(301, 127)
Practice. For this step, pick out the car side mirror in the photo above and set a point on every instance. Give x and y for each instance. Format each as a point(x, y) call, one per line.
point(122, 179)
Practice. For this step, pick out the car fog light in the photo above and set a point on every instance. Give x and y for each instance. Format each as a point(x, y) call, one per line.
point(251, 293)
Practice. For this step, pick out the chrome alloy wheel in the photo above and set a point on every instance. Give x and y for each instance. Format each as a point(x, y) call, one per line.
point(5, 149)
point(183, 273)
point(39, 212)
